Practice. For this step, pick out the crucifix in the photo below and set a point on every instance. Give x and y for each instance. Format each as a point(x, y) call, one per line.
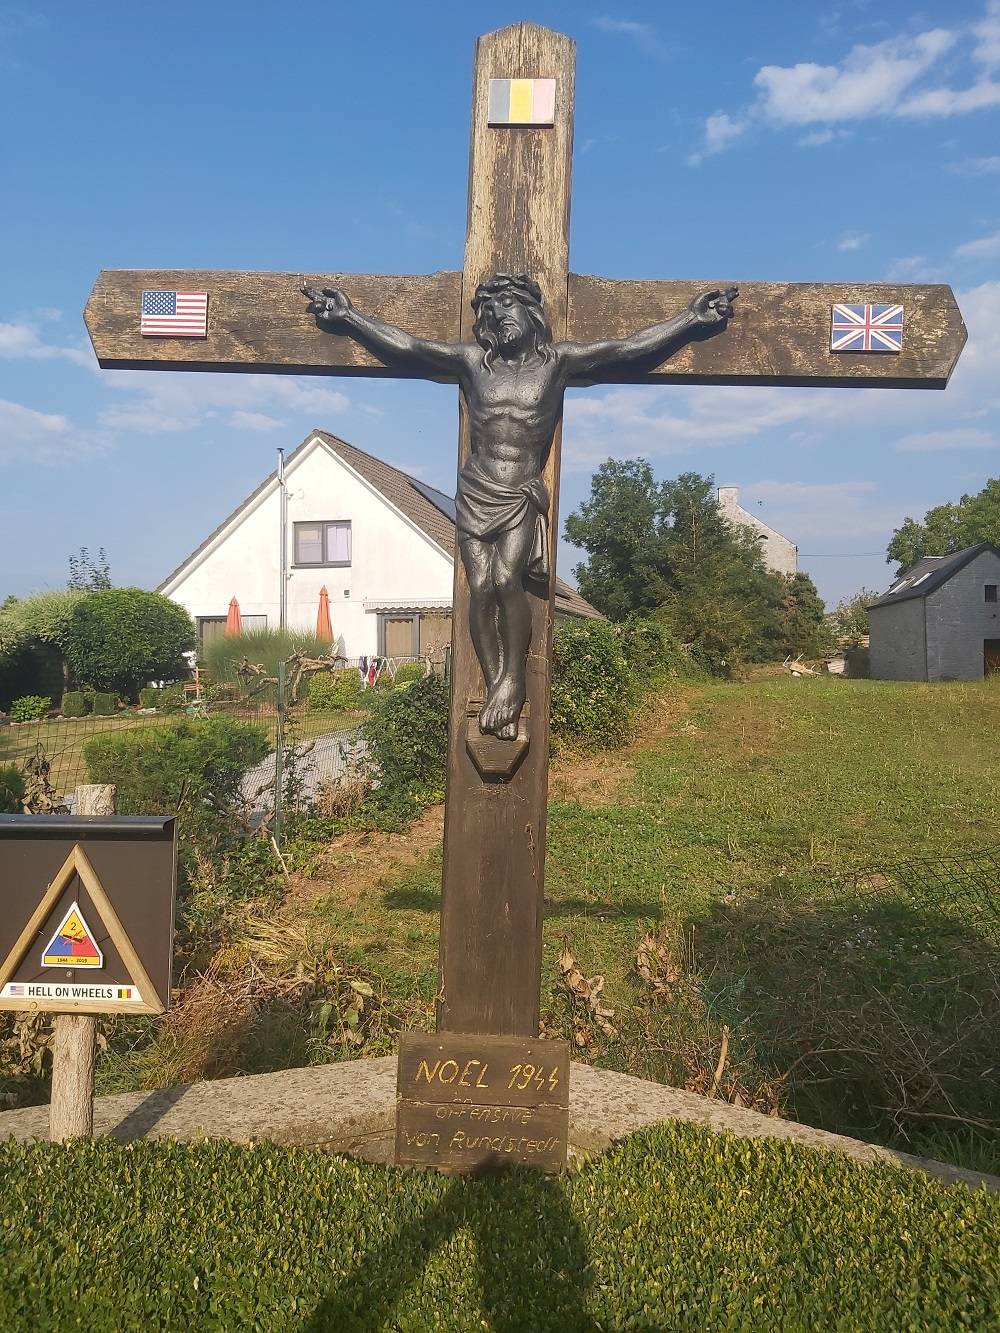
point(514, 329)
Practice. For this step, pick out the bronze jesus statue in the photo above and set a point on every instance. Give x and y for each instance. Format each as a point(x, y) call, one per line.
point(512, 378)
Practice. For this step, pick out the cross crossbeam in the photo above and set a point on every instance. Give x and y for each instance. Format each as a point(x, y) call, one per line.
point(779, 336)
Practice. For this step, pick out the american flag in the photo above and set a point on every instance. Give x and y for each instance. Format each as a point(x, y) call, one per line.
point(16, 990)
point(867, 328)
point(174, 315)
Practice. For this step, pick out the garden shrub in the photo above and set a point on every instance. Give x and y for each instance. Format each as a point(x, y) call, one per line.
point(171, 698)
point(675, 1228)
point(30, 708)
point(594, 691)
point(121, 637)
point(651, 651)
point(149, 696)
point(409, 672)
point(406, 744)
point(263, 647)
point(330, 690)
point(76, 703)
point(104, 705)
point(11, 790)
point(193, 767)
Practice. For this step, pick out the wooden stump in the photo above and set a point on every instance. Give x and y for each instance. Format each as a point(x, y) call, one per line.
point(71, 1109)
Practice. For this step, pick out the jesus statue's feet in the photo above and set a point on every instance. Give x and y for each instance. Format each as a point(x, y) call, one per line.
point(502, 709)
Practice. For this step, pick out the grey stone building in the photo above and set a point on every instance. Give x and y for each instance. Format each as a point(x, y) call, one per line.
point(940, 620)
point(779, 553)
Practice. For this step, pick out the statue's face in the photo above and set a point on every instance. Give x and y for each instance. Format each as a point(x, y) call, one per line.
point(508, 320)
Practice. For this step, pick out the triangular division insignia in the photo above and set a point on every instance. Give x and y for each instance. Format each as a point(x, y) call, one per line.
point(73, 944)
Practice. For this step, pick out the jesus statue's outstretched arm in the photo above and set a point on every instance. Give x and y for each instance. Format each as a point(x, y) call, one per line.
point(705, 314)
point(333, 311)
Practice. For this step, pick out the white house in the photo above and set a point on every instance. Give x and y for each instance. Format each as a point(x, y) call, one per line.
point(380, 542)
point(780, 554)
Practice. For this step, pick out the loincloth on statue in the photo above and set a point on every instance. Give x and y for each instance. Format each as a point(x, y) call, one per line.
point(486, 508)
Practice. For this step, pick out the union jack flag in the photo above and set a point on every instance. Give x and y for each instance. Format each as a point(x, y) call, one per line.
point(867, 328)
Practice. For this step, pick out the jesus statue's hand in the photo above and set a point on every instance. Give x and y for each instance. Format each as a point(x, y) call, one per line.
point(330, 304)
point(714, 307)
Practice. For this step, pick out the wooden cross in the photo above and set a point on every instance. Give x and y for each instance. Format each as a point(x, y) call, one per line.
point(518, 222)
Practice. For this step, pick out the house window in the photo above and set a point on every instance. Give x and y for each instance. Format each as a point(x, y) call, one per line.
point(323, 543)
point(213, 627)
point(991, 592)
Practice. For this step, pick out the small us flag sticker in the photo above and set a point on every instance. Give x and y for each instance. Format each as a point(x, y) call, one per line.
point(866, 328)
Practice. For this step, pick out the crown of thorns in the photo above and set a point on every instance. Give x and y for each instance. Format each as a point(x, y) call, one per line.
point(524, 288)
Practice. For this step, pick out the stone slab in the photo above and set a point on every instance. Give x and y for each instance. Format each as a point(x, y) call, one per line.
point(350, 1107)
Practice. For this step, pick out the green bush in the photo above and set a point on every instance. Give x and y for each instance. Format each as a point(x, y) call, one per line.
point(405, 737)
point(121, 637)
point(11, 790)
point(408, 672)
point(193, 767)
point(30, 708)
point(652, 652)
point(44, 617)
point(594, 691)
point(149, 696)
point(330, 690)
point(677, 1228)
point(104, 705)
point(171, 698)
point(76, 703)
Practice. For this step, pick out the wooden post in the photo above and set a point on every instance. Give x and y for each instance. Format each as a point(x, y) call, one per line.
point(494, 849)
point(71, 1108)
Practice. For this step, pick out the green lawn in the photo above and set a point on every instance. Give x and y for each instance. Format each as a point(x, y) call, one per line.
point(729, 833)
point(675, 1229)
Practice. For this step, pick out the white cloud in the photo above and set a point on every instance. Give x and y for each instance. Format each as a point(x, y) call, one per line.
point(985, 247)
point(900, 77)
point(644, 35)
point(27, 435)
point(933, 441)
point(720, 131)
point(869, 81)
point(254, 421)
point(160, 402)
point(24, 342)
point(854, 240)
point(818, 515)
point(978, 166)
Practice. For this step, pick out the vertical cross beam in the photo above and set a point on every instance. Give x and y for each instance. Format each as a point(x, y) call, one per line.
point(494, 849)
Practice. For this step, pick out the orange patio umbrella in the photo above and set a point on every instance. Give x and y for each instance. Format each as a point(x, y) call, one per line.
point(324, 629)
point(234, 621)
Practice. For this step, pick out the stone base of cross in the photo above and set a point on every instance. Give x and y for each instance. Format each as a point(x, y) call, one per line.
point(485, 1080)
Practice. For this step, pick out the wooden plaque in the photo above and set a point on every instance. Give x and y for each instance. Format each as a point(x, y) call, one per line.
point(468, 1103)
point(86, 913)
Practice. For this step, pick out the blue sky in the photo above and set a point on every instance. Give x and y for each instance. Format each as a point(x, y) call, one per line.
point(824, 142)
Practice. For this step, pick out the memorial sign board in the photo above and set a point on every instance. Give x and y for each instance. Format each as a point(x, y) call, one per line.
point(470, 1102)
point(86, 913)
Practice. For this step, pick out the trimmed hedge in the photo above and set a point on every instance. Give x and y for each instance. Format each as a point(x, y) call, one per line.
point(675, 1229)
point(119, 638)
point(329, 691)
point(149, 696)
point(103, 705)
point(408, 672)
point(193, 767)
point(76, 703)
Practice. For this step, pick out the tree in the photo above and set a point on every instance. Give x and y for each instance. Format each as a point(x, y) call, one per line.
point(89, 574)
point(804, 626)
point(666, 549)
point(949, 527)
point(850, 618)
point(120, 638)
